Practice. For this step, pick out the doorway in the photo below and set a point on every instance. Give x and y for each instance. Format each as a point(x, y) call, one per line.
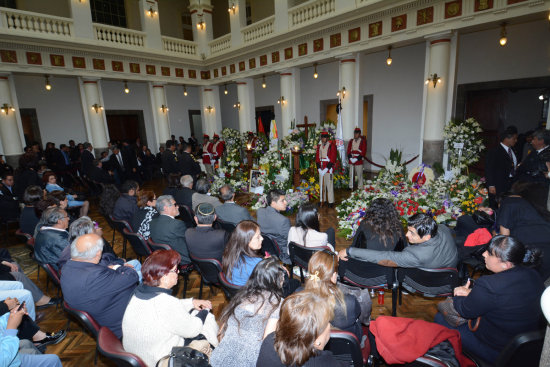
point(126, 125)
point(195, 124)
point(29, 121)
point(264, 114)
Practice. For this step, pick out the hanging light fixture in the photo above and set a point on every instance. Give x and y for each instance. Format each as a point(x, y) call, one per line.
point(48, 86)
point(184, 91)
point(263, 82)
point(225, 91)
point(503, 39)
point(315, 74)
point(389, 59)
point(126, 89)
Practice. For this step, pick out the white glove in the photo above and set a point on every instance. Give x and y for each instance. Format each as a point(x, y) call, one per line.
point(353, 160)
point(322, 172)
point(326, 159)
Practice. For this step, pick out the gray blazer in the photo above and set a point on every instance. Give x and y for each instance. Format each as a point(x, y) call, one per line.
point(438, 252)
point(277, 226)
point(232, 213)
point(198, 198)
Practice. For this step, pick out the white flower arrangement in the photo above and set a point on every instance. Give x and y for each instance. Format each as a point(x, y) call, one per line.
point(463, 142)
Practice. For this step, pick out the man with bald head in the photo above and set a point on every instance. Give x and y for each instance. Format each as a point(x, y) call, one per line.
point(102, 291)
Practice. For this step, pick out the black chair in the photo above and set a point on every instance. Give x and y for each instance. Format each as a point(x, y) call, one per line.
point(111, 347)
point(523, 350)
point(209, 270)
point(6, 224)
point(119, 225)
point(113, 227)
point(369, 275)
point(300, 255)
point(428, 282)
point(228, 288)
point(226, 226)
point(346, 348)
point(184, 269)
point(138, 243)
point(85, 319)
point(187, 216)
point(53, 275)
point(270, 246)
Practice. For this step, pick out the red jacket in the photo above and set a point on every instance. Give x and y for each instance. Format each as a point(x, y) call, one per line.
point(401, 340)
point(331, 155)
point(357, 154)
point(206, 149)
point(218, 152)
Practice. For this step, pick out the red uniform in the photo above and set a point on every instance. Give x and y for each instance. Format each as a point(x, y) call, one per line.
point(322, 154)
point(358, 150)
point(206, 153)
point(217, 150)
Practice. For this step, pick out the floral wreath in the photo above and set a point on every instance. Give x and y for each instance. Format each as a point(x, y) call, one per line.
point(421, 175)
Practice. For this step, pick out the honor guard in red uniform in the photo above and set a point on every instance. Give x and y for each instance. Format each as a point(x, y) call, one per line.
point(217, 151)
point(357, 150)
point(207, 156)
point(325, 157)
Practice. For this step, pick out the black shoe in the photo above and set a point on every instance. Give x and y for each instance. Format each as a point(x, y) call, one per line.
point(331, 205)
point(51, 338)
point(53, 301)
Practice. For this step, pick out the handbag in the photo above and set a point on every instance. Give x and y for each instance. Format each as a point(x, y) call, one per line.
point(185, 357)
point(483, 219)
point(452, 317)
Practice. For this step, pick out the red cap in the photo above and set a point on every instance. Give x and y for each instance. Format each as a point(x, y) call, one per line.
point(324, 134)
point(206, 136)
point(357, 130)
point(216, 136)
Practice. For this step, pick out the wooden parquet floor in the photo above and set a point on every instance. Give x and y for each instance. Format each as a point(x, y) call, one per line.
point(78, 348)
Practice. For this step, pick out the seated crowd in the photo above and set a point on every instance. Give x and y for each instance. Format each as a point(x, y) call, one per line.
point(269, 321)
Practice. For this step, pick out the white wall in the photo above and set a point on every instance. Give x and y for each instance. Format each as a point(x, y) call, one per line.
point(397, 99)
point(268, 97)
point(59, 111)
point(229, 115)
point(526, 55)
point(179, 108)
point(316, 90)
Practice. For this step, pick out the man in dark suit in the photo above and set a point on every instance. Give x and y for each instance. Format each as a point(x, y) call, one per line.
point(500, 166)
point(275, 224)
point(130, 162)
point(86, 159)
point(185, 194)
point(102, 291)
point(535, 167)
point(116, 164)
point(9, 202)
point(99, 175)
point(204, 241)
point(169, 159)
point(187, 164)
point(230, 211)
point(166, 229)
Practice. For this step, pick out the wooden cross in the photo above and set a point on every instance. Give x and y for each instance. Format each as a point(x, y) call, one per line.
point(305, 125)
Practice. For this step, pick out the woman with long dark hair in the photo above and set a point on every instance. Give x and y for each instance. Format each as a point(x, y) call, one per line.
point(507, 301)
point(381, 228)
point(306, 232)
point(250, 315)
point(242, 252)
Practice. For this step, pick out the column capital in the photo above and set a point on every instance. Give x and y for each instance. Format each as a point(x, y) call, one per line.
point(202, 6)
point(4, 75)
point(349, 57)
point(90, 80)
point(441, 36)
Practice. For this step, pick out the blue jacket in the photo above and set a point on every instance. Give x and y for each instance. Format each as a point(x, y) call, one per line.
point(508, 303)
point(125, 208)
point(9, 344)
point(102, 292)
point(48, 245)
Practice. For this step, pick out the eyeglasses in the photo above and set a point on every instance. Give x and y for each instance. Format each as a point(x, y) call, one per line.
point(177, 271)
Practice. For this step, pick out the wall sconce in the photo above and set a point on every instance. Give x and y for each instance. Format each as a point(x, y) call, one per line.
point(341, 92)
point(184, 91)
point(201, 24)
point(315, 74)
point(434, 78)
point(126, 89)
point(152, 12)
point(237, 105)
point(209, 109)
point(97, 108)
point(47, 85)
point(225, 91)
point(281, 100)
point(7, 108)
point(503, 39)
point(389, 59)
point(164, 108)
point(263, 82)
point(232, 8)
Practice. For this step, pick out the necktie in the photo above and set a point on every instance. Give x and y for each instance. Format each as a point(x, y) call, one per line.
point(120, 160)
point(512, 159)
